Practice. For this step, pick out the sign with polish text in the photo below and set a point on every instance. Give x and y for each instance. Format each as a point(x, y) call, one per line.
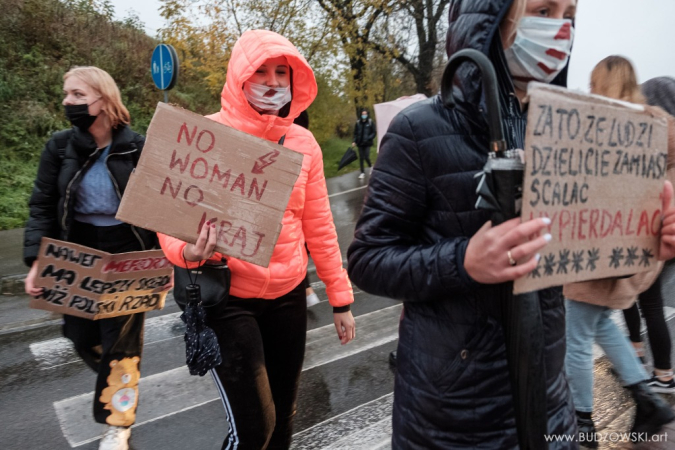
point(596, 168)
point(83, 282)
point(194, 170)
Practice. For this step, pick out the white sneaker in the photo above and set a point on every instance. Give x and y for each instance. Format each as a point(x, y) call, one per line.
point(115, 438)
point(362, 176)
point(312, 299)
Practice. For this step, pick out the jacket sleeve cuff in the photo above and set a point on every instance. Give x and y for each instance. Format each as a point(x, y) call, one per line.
point(341, 309)
point(30, 254)
point(461, 271)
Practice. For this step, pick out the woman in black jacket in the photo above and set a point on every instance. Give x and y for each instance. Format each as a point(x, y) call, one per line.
point(420, 239)
point(364, 133)
point(82, 175)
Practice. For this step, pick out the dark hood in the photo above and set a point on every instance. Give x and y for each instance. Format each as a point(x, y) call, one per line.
point(660, 91)
point(474, 24)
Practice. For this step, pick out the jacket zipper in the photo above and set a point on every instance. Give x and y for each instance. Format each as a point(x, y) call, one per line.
point(119, 193)
point(70, 185)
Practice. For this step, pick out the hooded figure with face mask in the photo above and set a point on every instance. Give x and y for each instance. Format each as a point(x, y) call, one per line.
point(421, 239)
point(262, 328)
point(442, 258)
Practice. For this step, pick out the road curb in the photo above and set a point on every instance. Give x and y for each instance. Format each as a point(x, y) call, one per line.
point(12, 285)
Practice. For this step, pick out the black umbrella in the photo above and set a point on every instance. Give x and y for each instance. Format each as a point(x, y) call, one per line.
point(348, 158)
point(500, 191)
point(202, 352)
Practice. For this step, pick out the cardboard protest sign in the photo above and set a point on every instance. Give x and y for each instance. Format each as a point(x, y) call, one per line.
point(596, 168)
point(84, 282)
point(195, 170)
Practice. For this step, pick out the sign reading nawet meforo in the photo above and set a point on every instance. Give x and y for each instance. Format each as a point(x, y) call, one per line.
point(164, 66)
point(84, 282)
point(596, 168)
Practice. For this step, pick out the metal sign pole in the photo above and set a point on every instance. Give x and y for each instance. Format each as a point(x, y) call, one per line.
point(166, 97)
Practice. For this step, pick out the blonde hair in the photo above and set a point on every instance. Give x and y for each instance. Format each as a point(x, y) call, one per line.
point(509, 25)
point(105, 86)
point(615, 77)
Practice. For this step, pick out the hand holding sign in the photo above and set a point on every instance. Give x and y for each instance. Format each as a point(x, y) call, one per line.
point(29, 282)
point(205, 245)
point(487, 255)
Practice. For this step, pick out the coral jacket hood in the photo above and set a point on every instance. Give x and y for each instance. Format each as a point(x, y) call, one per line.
point(251, 50)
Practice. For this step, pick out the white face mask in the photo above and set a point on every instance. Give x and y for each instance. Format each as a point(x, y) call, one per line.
point(541, 50)
point(266, 98)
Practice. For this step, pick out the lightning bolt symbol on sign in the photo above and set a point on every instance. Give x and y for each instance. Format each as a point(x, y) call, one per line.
point(264, 161)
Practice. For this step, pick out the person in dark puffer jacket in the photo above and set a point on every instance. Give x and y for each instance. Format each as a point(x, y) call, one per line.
point(421, 240)
point(81, 178)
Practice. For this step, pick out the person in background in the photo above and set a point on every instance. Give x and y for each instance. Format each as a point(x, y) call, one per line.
point(261, 330)
point(364, 133)
point(82, 175)
point(589, 305)
point(658, 92)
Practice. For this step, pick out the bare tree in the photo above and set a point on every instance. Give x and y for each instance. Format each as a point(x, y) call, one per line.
point(411, 37)
point(353, 21)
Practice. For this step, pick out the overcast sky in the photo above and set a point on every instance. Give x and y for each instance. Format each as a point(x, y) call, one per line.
point(642, 30)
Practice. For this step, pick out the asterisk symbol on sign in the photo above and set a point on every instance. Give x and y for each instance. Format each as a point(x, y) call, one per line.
point(536, 271)
point(616, 257)
point(578, 261)
point(646, 255)
point(549, 264)
point(631, 256)
point(564, 261)
point(593, 256)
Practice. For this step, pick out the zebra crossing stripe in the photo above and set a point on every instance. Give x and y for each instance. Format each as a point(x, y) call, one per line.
point(175, 390)
point(60, 351)
point(365, 427)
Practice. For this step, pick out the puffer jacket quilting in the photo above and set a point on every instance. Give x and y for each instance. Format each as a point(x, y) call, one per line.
point(52, 202)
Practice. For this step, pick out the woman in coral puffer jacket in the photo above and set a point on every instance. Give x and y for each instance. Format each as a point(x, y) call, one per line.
point(262, 328)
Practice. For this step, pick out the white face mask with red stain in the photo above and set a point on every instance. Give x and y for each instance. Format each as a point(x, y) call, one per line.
point(266, 98)
point(541, 50)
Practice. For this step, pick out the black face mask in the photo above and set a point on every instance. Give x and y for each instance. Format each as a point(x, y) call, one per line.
point(79, 116)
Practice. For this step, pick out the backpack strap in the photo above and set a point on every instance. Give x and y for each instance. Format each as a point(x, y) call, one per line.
point(61, 139)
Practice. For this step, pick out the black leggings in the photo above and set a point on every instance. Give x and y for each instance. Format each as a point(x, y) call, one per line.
point(113, 344)
point(364, 155)
point(651, 305)
point(263, 347)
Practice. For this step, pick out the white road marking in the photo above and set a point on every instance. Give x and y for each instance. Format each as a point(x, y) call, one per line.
point(170, 392)
point(60, 351)
point(367, 426)
point(347, 191)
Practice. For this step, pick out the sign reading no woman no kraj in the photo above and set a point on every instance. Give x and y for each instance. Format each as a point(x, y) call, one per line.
point(596, 168)
point(84, 282)
point(193, 170)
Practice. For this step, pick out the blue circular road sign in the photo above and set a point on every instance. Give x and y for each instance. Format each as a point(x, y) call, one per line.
point(164, 66)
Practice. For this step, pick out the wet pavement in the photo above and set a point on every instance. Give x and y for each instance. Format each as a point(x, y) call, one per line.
point(345, 394)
